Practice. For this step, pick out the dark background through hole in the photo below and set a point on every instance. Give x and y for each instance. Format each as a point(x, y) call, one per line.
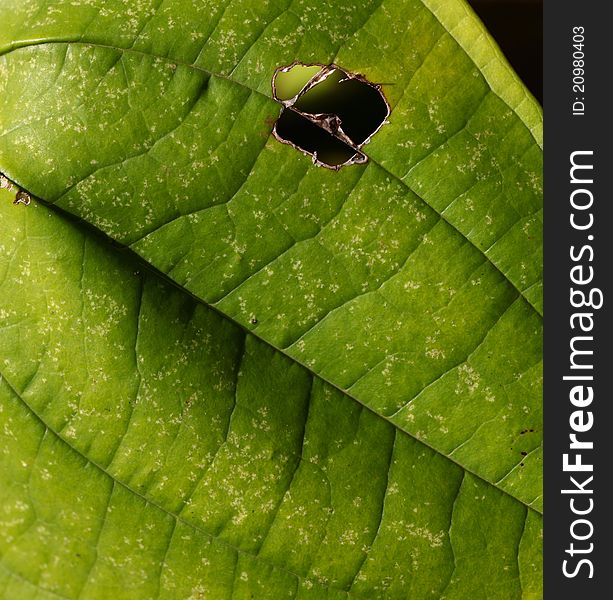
point(517, 27)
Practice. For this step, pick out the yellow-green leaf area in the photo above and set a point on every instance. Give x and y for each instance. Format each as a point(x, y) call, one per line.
point(341, 395)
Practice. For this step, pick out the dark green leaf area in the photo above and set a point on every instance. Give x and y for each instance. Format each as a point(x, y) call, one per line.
point(154, 449)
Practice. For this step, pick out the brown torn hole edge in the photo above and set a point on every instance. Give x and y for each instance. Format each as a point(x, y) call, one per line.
point(330, 123)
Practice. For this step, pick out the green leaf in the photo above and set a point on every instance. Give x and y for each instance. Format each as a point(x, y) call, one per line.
point(413, 283)
point(151, 448)
point(410, 285)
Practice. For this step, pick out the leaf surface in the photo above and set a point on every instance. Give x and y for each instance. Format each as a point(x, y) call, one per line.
point(413, 283)
point(410, 285)
point(152, 449)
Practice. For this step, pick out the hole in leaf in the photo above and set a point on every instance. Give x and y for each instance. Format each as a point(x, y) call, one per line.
point(313, 139)
point(328, 113)
point(288, 83)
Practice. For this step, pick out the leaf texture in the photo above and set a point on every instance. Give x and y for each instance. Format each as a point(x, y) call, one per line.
point(396, 305)
point(413, 283)
point(151, 449)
